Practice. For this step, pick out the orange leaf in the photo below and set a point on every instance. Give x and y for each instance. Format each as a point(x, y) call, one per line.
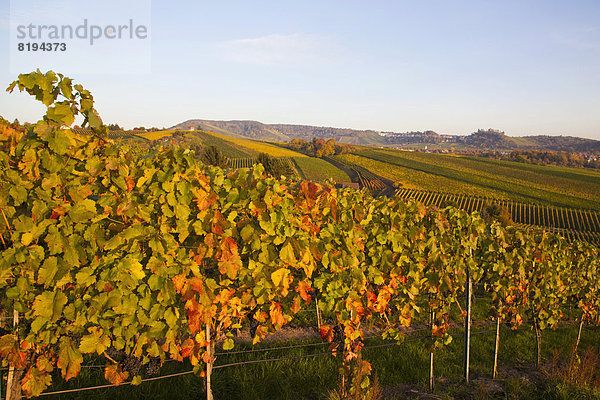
point(187, 347)
point(437, 331)
point(303, 288)
point(69, 359)
point(179, 281)
point(130, 183)
point(296, 305)
point(229, 259)
point(115, 375)
point(326, 333)
point(218, 223)
point(277, 317)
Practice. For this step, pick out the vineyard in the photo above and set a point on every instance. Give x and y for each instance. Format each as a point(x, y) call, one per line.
point(257, 146)
point(120, 134)
point(571, 223)
point(365, 178)
point(368, 180)
point(319, 170)
point(552, 186)
point(154, 135)
point(138, 260)
point(248, 162)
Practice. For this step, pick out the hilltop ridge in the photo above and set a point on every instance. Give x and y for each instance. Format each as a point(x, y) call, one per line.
point(489, 139)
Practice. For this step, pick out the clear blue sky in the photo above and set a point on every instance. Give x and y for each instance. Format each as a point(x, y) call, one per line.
point(525, 67)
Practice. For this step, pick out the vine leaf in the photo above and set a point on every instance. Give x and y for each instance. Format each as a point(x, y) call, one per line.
point(35, 382)
point(49, 305)
point(95, 342)
point(115, 375)
point(69, 359)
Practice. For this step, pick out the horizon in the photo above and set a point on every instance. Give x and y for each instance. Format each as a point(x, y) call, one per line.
point(363, 130)
point(525, 68)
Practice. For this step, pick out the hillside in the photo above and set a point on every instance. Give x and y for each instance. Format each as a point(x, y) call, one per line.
point(489, 139)
point(284, 132)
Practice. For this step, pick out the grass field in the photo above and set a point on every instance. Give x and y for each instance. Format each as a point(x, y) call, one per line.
point(566, 187)
point(316, 169)
point(402, 370)
point(227, 148)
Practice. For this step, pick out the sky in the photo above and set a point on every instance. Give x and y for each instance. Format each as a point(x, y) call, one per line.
point(524, 67)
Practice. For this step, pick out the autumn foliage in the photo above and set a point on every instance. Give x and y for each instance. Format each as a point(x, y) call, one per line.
point(105, 249)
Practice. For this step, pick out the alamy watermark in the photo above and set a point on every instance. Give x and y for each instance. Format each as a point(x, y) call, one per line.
point(112, 36)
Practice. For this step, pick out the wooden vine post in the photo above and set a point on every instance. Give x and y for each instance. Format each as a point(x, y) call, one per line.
point(13, 382)
point(209, 365)
point(467, 349)
point(495, 371)
point(319, 319)
point(579, 334)
point(431, 376)
point(538, 338)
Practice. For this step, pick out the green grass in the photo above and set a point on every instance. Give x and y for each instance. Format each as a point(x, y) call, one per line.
point(227, 148)
point(560, 186)
point(405, 365)
point(317, 169)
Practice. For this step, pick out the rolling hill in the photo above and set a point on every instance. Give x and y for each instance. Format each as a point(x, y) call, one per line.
point(489, 139)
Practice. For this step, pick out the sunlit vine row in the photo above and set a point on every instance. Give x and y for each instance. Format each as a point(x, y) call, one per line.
point(158, 256)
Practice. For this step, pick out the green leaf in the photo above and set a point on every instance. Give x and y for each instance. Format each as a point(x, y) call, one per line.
point(247, 232)
point(83, 211)
point(95, 342)
point(94, 120)
point(59, 142)
point(279, 275)
point(26, 238)
point(49, 305)
point(286, 254)
point(228, 344)
point(61, 113)
point(136, 380)
point(47, 271)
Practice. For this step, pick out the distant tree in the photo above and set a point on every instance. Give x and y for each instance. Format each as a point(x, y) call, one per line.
point(114, 127)
point(282, 168)
point(496, 212)
point(212, 156)
point(320, 147)
point(266, 161)
point(274, 166)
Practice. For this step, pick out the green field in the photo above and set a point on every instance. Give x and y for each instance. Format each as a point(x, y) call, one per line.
point(559, 186)
point(228, 149)
point(316, 169)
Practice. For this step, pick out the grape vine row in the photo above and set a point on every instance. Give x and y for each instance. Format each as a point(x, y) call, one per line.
point(572, 223)
point(158, 256)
